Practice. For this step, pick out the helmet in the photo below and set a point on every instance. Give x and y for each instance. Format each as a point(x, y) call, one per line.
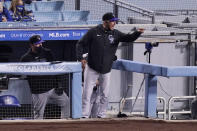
point(9, 101)
point(35, 39)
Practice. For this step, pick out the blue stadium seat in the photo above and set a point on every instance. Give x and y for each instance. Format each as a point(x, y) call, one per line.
point(9, 101)
point(41, 24)
point(65, 23)
point(30, 6)
point(48, 16)
point(76, 15)
point(49, 6)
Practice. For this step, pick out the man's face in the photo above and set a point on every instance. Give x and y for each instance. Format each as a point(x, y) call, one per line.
point(36, 47)
point(110, 25)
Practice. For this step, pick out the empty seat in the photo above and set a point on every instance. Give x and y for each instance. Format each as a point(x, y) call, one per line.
point(49, 6)
point(47, 16)
point(75, 15)
point(30, 6)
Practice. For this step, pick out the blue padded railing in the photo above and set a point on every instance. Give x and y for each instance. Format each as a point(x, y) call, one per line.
point(138, 67)
point(49, 6)
point(46, 68)
point(179, 71)
point(151, 71)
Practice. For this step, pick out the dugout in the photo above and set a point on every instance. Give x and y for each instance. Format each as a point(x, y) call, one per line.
point(63, 50)
point(62, 41)
point(14, 44)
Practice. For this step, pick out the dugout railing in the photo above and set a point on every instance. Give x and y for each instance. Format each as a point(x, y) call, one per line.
point(15, 75)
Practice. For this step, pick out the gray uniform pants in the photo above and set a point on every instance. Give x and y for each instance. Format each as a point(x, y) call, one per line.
point(40, 100)
point(90, 77)
point(94, 103)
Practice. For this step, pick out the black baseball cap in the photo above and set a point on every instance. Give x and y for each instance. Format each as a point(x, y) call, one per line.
point(35, 39)
point(109, 16)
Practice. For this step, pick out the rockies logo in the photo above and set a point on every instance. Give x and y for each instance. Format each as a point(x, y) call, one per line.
point(111, 39)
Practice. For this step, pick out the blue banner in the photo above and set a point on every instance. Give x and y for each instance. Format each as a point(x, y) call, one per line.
point(24, 35)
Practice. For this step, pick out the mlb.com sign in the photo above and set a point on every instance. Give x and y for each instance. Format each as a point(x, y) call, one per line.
point(57, 34)
point(66, 35)
point(24, 35)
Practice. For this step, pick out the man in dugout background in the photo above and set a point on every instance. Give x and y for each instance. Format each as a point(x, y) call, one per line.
point(45, 89)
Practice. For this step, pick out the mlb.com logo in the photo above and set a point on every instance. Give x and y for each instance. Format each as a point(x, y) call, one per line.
point(2, 35)
point(57, 34)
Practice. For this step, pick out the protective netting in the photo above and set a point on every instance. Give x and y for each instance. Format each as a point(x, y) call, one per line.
point(35, 97)
point(63, 13)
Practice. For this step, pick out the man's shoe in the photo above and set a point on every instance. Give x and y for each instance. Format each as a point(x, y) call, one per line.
point(83, 117)
point(98, 117)
point(121, 115)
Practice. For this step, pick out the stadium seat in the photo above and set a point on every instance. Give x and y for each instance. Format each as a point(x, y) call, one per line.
point(30, 6)
point(75, 15)
point(9, 101)
point(49, 6)
point(48, 16)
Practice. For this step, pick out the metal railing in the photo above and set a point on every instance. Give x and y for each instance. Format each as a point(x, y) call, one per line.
point(170, 112)
point(131, 7)
point(122, 102)
point(179, 12)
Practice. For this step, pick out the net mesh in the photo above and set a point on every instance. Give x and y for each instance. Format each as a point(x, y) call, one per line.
point(62, 13)
point(54, 90)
